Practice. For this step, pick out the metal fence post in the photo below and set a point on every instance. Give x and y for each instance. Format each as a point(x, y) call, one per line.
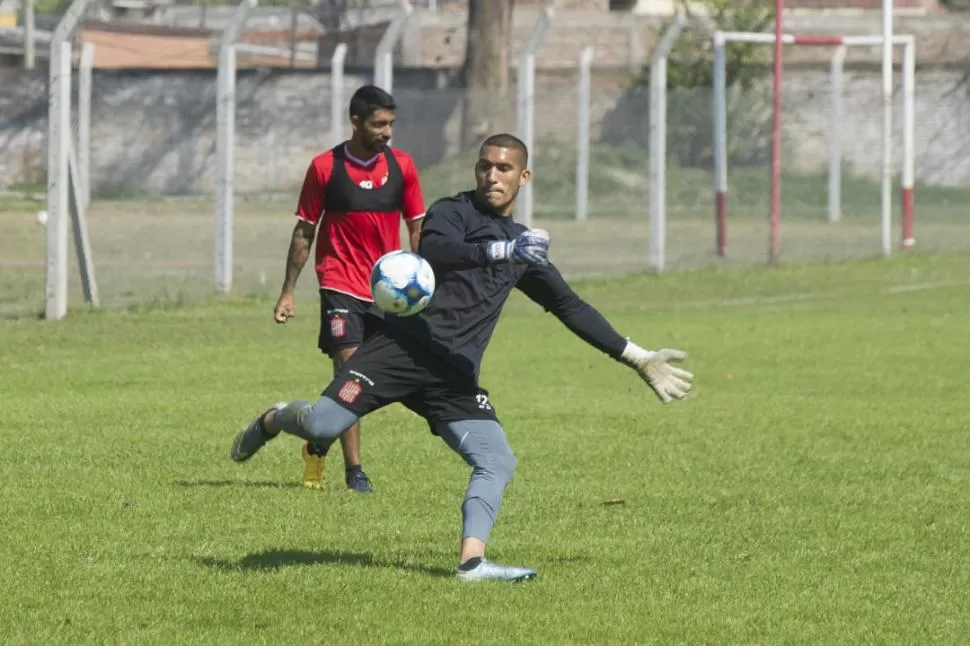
point(84, 122)
point(658, 143)
point(909, 140)
point(384, 57)
point(30, 34)
point(58, 139)
point(582, 136)
point(225, 135)
point(337, 108)
point(835, 136)
point(720, 145)
point(525, 116)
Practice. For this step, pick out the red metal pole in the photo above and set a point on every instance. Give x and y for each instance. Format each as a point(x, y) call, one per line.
point(775, 247)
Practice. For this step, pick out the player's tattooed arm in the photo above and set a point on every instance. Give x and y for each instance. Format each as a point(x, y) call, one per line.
point(296, 258)
point(414, 233)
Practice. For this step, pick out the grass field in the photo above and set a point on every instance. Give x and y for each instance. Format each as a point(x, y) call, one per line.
point(814, 491)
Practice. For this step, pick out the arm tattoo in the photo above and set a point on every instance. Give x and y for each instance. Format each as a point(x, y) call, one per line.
point(299, 251)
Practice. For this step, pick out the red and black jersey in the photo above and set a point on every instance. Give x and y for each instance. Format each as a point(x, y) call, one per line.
point(358, 205)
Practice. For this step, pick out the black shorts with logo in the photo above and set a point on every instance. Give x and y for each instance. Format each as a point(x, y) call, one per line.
point(346, 321)
point(385, 370)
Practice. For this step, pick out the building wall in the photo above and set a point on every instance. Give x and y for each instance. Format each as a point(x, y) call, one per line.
point(155, 132)
point(624, 39)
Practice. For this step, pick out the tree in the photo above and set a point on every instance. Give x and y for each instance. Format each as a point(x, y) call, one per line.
point(690, 67)
point(689, 82)
point(486, 69)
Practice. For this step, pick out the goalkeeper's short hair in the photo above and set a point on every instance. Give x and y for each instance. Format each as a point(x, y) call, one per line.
point(505, 140)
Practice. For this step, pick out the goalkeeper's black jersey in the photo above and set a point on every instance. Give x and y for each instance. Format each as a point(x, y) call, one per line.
point(470, 292)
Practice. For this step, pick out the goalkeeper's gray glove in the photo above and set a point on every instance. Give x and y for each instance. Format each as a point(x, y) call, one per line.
point(529, 247)
point(667, 381)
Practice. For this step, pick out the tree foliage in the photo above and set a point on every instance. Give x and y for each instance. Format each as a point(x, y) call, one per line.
point(690, 63)
point(486, 69)
point(690, 80)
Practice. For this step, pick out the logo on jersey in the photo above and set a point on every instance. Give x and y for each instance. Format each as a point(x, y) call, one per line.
point(350, 391)
point(368, 184)
point(338, 326)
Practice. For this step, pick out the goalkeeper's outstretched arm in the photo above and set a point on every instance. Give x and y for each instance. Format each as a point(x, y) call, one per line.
point(547, 287)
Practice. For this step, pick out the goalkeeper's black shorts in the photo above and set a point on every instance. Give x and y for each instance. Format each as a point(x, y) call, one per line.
point(386, 370)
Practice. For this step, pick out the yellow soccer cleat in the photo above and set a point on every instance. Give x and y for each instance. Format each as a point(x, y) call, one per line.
point(314, 467)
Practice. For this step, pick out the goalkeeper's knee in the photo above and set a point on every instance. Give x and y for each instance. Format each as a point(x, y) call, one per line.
point(327, 420)
point(322, 422)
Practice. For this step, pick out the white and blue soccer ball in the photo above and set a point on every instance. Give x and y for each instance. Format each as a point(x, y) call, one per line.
point(402, 283)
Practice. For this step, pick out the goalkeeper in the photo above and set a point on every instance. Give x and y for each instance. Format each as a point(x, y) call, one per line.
point(430, 362)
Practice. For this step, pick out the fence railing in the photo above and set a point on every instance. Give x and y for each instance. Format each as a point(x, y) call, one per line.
point(624, 180)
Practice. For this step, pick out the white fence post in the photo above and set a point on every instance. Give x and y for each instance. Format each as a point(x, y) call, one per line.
point(337, 107)
point(225, 136)
point(525, 108)
point(887, 125)
point(82, 242)
point(59, 116)
point(58, 139)
point(384, 58)
point(835, 136)
point(720, 145)
point(30, 35)
point(84, 122)
point(582, 137)
point(658, 143)
point(909, 142)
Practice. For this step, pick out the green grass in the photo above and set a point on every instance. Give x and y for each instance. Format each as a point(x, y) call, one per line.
point(814, 491)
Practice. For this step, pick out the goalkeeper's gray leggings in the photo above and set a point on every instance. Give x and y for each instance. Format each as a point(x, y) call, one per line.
point(481, 443)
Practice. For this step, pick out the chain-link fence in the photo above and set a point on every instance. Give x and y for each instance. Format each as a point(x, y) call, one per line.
point(151, 218)
point(615, 238)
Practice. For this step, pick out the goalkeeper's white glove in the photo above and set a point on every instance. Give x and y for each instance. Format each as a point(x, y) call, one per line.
point(667, 381)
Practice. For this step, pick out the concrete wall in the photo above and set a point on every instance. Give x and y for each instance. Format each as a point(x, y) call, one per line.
point(624, 39)
point(155, 132)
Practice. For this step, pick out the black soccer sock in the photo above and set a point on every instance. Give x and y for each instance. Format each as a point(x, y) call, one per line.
point(470, 564)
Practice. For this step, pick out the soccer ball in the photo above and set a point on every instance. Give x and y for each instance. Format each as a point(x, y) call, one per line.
point(402, 283)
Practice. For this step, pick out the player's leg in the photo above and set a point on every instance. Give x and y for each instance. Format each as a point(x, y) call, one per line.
point(482, 445)
point(463, 416)
point(331, 320)
point(379, 373)
point(322, 423)
point(342, 330)
point(354, 476)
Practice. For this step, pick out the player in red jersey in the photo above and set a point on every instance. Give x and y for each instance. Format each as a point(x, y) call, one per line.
point(357, 193)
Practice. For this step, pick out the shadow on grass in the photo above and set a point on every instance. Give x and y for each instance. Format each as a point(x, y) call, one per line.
point(276, 559)
point(268, 484)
